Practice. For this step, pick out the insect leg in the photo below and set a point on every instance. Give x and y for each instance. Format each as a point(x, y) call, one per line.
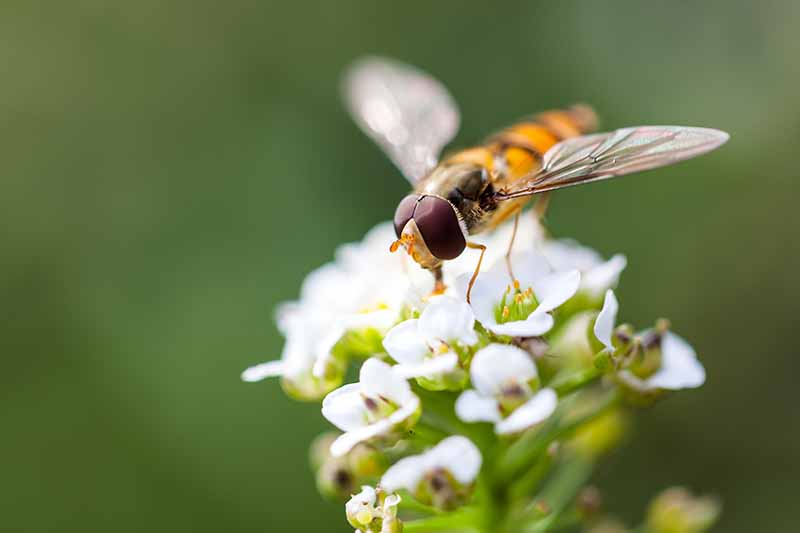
point(438, 286)
point(540, 209)
point(511, 243)
point(482, 248)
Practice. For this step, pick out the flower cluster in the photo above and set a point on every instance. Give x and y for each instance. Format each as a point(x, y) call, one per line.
point(466, 414)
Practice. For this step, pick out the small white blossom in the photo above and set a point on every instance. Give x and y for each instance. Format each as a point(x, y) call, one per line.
point(371, 511)
point(366, 287)
point(423, 346)
point(503, 376)
point(523, 310)
point(457, 455)
point(597, 275)
point(679, 367)
point(380, 403)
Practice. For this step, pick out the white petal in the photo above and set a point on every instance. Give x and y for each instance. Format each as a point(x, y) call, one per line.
point(344, 407)
point(405, 344)
point(486, 294)
point(565, 254)
point(497, 365)
point(459, 456)
point(380, 319)
point(377, 379)
point(537, 323)
point(472, 407)
point(604, 276)
point(392, 500)
point(431, 367)
point(680, 368)
point(366, 497)
point(264, 370)
point(555, 289)
point(405, 411)
point(448, 319)
point(404, 474)
point(529, 267)
point(346, 441)
point(535, 410)
point(604, 324)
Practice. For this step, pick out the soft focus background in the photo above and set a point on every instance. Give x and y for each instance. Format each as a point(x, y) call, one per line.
point(172, 170)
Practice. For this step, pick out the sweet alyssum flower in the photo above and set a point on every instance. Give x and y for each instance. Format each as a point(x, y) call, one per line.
point(443, 476)
point(373, 511)
point(380, 404)
point(505, 381)
point(364, 292)
point(369, 303)
point(521, 309)
point(668, 362)
point(427, 347)
point(597, 275)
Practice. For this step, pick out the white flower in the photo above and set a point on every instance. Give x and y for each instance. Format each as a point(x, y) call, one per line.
point(366, 287)
point(308, 333)
point(373, 512)
point(378, 404)
point(502, 377)
point(679, 367)
point(597, 275)
point(456, 456)
point(422, 346)
point(523, 310)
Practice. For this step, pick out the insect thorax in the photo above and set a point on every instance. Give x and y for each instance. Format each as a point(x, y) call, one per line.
point(468, 187)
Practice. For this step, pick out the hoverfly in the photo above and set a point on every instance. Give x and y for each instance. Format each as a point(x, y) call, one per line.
point(411, 116)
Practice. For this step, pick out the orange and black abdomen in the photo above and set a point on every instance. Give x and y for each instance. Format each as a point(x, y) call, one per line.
point(507, 156)
point(518, 150)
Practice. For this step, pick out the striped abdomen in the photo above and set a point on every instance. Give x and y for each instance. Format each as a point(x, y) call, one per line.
point(504, 158)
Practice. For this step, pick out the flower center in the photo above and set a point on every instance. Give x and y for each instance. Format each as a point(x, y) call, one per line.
point(512, 395)
point(515, 304)
point(378, 408)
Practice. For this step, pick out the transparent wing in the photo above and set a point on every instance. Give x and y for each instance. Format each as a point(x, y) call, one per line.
point(607, 155)
point(408, 113)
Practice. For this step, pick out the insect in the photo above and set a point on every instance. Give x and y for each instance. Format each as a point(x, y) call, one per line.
point(411, 116)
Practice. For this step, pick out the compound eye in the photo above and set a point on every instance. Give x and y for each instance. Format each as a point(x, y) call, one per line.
point(404, 212)
point(437, 220)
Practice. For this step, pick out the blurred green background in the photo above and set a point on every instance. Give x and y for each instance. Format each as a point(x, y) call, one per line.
point(171, 170)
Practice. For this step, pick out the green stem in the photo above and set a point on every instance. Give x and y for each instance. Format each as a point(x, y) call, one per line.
point(462, 520)
point(559, 493)
point(531, 479)
point(575, 380)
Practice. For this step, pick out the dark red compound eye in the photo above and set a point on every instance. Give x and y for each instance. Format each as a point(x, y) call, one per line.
point(437, 221)
point(404, 212)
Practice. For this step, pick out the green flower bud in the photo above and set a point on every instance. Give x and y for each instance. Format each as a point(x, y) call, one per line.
point(676, 511)
point(339, 477)
point(441, 490)
point(601, 435)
